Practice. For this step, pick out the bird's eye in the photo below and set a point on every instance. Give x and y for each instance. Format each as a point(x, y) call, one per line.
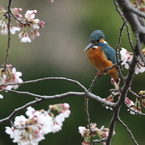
point(96, 42)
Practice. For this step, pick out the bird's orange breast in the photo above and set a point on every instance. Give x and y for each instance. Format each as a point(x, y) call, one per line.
point(98, 59)
point(100, 62)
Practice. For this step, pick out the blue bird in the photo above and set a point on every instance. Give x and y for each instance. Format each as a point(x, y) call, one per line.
point(101, 54)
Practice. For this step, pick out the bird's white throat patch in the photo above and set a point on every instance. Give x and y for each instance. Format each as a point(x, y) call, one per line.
point(95, 47)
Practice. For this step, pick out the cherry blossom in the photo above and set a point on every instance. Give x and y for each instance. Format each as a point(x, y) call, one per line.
point(25, 25)
point(57, 123)
point(82, 129)
point(127, 57)
point(14, 29)
point(129, 102)
point(31, 130)
point(139, 69)
point(1, 96)
point(95, 131)
point(30, 135)
point(16, 11)
point(9, 75)
point(4, 20)
point(64, 112)
point(30, 14)
point(24, 37)
point(4, 29)
point(29, 22)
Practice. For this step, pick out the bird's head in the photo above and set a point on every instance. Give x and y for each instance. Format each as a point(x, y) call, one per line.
point(96, 37)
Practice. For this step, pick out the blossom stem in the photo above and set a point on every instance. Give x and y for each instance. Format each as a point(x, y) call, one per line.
point(9, 35)
point(128, 130)
point(87, 101)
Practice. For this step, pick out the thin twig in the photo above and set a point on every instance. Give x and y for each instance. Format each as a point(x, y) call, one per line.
point(41, 98)
point(98, 141)
point(117, 47)
point(112, 125)
point(86, 103)
point(45, 97)
point(93, 83)
point(124, 91)
point(131, 91)
point(125, 23)
point(135, 111)
point(90, 90)
point(9, 35)
point(128, 130)
point(16, 18)
point(19, 109)
point(47, 78)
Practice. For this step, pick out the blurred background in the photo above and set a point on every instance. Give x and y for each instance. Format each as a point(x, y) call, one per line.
point(59, 52)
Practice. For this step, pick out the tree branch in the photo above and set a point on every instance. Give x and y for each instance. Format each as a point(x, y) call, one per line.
point(112, 125)
point(47, 78)
point(41, 98)
point(20, 109)
point(132, 16)
point(99, 141)
point(9, 34)
point(129, 131)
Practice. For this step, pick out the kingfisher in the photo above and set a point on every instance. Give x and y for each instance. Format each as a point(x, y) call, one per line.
point(101, 54)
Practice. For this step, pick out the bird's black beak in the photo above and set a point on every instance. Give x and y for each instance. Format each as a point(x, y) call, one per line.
point(88, 47)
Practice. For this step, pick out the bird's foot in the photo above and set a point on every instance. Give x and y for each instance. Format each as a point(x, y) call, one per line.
point(104, 70)
point(99, 74)
point(118, 80)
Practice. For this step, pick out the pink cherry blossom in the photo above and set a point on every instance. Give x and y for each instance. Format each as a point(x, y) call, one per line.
point(8, 76)
point(24, 37)
point(127, 57)
point(31, 130)
point(25, 25)
point(129, 102)
point(82, 130)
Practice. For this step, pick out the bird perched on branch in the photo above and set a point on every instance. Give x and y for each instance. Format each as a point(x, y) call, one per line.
point(101, 55)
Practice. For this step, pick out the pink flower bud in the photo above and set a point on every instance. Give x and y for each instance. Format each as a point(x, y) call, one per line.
point(35, 11)
point(1, 8)
point(41, 24)
point(128, 102)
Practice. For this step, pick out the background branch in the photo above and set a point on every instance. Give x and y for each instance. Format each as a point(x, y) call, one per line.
point(47, 78)
point(20, 109)
point(129, 131)
point(58, 96)
point(9, 35)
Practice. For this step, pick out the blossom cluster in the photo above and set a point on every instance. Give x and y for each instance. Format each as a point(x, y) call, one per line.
point(139, 103)
point(31, 130)
point(134, 107)
point(29, 23)
point(127, 57)
point(93, 131)
point(9, 75)
point(139, 5)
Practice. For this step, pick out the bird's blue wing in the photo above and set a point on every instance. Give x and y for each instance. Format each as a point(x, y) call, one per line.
point(109, 51)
